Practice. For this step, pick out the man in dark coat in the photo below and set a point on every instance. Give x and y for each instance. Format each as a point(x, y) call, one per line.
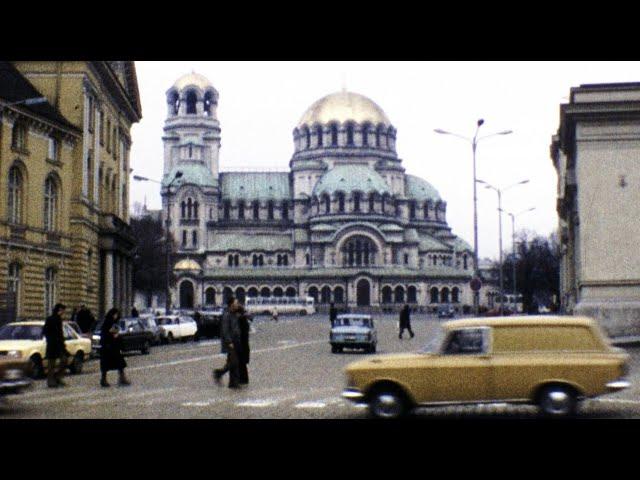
point(230, 344)
point(111, 357)
point(243, 355)
point(405, 321)
point(85, 319)
point(333, 314)
point(56, 349)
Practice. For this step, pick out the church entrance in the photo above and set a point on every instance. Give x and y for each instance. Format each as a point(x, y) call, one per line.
point(186, 294)
point(363, 293)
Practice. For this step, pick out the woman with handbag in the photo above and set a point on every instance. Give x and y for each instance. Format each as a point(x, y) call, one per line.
point(111, 349)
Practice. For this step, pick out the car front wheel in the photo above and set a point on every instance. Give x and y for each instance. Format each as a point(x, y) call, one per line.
point(36, 368)
point(145, 348)
point(77, 363)
point(388, 403)
point(557, 401)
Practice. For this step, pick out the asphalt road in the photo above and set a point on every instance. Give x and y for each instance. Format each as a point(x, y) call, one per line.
point(293, 374)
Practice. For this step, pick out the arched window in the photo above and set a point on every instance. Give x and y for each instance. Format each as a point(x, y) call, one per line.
point(49, 290)
point(240, 295)
point(372, 202)
point(241, 210)
point(183, 210)
point(236, 259)
point(356, 201)
point(195, 210)
point(399, 294)
point(50, 204)
point(226, 206)
point(340, 202)
point(327, 203)
point(412, 210)
point(319, 135)
point(15, 195)
point(334, 135)
point(270, 210)
point(307, 259)
point(365, 135)
point(358, 251)
point(387, 294)
point(465, 262)
point(285, 260)
point(444, 295)
point(184, 238)
point(19, 136)
point(279, 260)
point(291, 292)
point(455, 295)
point(192, 99)
point(285, 210)
point(226, 295)
point(338, 295)
point(14, 282)
point(189, 207)
point(194, 238)
point(208, 101)
point(307, 136)
point(350, 135)
point(412, 294)
point(426, 210)
point(253, 292)
point(433, 295)
point(265, 292)
point(210, 296)
point(278, 292)
point(254, 260)
point(313, 293)
point(230, 260)
point(378, 136)
point(325, 294)
point(256, 210)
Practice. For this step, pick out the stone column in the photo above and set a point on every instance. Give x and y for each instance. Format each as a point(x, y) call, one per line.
point(108, 281)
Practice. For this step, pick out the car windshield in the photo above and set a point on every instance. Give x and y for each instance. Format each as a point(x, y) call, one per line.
point(353, 322)
point(21, 332)
point(435, 342)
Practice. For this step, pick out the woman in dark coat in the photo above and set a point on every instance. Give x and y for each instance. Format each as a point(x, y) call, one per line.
point(110, 349)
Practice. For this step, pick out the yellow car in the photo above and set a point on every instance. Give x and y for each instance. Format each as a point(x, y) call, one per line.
point(552, 362)
point(25, 341)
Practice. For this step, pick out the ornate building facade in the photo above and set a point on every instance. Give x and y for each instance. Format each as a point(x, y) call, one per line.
point(344, 224)
point(64, 179)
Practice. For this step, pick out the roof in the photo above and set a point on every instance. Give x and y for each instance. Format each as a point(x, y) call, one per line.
point(15, 87)
point(418, 189)
point(529, 320)
point(427, 242)
point(459, 244)
point(193, 78)
point(342, 107)
point(347, 178)
point(255, 185)
point(243, 242)
point(195, 173)
point(187, 264)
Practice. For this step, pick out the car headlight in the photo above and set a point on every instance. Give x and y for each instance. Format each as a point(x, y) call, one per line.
point(14, 354)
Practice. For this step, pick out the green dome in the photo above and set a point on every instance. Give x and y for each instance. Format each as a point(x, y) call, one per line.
point(419, 189)
point(349, 178)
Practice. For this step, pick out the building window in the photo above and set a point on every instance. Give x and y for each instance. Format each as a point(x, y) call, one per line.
point(194, 238)
point(319, 135)
point(412, 294)
point(196, 206)
point(341, 202)
point(365, 135)
point(191, 102)
point(208, 100)
point(230, 260)
point(15, 195)
point(412, 210)
point(184, 238)
point(356, 202)
point(406, 259)
point(372, 202)
point(285, 211)
point(327, 203)
point(256, 210)
point(114, 142)
point(358, 251)
point(455, 295)
point(183, 210)
point(14, 282)
point(19, 136)
point(334, 135)
point(241, 210)
point(226, 210)
point(433, 295)
point(101, 128)
point(54, 148)
point(307, 259)
point(426, 210)
point(350, 135)
point(270, 210)
point(465, 262)
point(50, 204)
point(108, 136)
point(49, 290)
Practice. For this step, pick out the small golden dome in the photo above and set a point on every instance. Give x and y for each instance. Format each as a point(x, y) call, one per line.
point(342, 107)
point(193, 78)
point(187, 264)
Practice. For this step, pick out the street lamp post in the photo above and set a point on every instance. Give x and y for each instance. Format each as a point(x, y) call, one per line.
point(513, 250)
point(167, 303)
point(474, 143)
point(499, 191)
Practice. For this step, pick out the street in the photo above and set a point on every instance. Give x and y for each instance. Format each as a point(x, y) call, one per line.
point(293, 374)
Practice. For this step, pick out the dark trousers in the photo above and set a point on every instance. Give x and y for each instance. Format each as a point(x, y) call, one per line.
point(403, 328)
point(54, 375)
point(243, 373)
point(232, 366)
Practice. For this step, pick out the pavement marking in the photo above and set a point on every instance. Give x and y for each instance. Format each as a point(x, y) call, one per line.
point(310, 405)
point(127, 397)
point(62, 398)
point(616, 400)
point(257, 403)
point(221, 355)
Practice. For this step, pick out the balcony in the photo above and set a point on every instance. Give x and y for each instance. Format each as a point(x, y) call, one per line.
point(189, 222)
point(53, 238)
point(18, 232)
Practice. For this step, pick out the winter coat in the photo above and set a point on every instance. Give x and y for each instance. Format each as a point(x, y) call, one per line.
point(229, 330)
point(53, 334)
point(111, 357)
point(245, 349)
point(333, 314)
point(85, 320)
point(405, 318)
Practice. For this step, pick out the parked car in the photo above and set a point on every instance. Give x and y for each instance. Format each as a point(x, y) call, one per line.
point(353, 330)
point(446, 311)
point(133, 334)
point(76, 328)
point(550, 361)
point(209, 326)
point(148, 321)
point(176, 327)
point(26, 341)
point(13, 373)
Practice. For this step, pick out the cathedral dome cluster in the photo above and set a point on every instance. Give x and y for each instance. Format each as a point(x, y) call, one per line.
point(344, 224)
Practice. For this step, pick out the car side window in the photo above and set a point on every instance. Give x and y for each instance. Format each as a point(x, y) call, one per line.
point(68, 333)
point(468, 341)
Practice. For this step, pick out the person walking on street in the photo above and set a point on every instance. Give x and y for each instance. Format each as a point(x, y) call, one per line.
point(230, 344)
point(333, 314)
point(111, 349)
point(75, 314)
point(405, 321)
point(274, 314)
point(56, 349)
point(134, 312)
point(243, 357)
point(85, 319)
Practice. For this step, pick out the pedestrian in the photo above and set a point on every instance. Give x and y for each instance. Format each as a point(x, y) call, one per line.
point(405, 321)
point(84, 319)
point(56, 349)
point(230, 344)
point(111, 349)
point(243, 355)
point(134, 312)
point(274, 313)
point(74, 314)
point(333, 314)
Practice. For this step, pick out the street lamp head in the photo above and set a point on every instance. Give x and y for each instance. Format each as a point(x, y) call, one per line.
point(443, 132)
point(178, 174)
point(35, 101)
point(480, 122)
point(523, 182)
point(139, 178)
point(506, 132)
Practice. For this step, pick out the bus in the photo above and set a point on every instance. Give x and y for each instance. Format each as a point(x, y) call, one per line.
point(265, 305)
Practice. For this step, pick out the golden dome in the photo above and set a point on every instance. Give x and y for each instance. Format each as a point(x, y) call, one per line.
point(193, 78)
point(187, 264)
point(342, 107)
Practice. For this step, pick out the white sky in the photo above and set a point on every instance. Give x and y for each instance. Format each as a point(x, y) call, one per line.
point(261, 102)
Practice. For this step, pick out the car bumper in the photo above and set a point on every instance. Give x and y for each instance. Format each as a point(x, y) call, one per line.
point(353, 394)
point(618, 385)
point(14, 386)
point(352, 344)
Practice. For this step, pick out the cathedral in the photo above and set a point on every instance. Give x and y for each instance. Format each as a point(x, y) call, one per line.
point(346, 224)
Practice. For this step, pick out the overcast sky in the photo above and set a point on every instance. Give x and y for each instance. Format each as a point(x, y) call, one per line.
point(261, 102)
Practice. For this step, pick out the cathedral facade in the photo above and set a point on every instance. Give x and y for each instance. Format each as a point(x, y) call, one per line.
point(345, 224)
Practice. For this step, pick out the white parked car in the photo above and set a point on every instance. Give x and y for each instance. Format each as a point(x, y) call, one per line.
point(176, 327)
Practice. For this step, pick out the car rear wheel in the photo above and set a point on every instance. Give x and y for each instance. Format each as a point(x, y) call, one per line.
point(170, 338)
point(145, 348)
point(302, 312)
point(77, 363)
point(557, 401)
point(372, 349)
point(36, 368)
point(334, 349)
point(388, 403)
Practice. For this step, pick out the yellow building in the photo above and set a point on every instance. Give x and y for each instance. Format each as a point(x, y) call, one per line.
point(64, 183)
